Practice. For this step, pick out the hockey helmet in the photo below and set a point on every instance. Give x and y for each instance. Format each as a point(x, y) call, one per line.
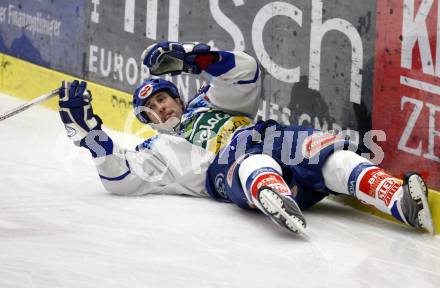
point(147, 89)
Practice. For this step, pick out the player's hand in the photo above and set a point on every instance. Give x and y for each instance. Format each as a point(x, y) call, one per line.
point(174, 57)
point(76, 111)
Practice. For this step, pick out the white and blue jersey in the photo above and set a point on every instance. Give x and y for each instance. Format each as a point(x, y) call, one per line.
point(177, 163)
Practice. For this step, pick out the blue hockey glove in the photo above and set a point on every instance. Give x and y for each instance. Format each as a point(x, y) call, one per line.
point(174, 57)
point(76, 111)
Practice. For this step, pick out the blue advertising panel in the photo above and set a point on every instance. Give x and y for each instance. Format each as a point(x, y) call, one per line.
point(47, 33)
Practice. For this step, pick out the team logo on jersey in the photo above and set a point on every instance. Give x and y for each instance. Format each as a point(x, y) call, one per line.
point(145, 91)
point(70, 131)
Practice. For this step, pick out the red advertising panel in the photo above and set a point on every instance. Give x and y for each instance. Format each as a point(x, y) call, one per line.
point(406, 101)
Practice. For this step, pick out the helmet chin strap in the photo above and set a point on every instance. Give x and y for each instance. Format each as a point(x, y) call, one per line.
point(170, 126)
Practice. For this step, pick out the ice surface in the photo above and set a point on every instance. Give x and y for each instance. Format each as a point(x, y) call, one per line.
point(60, 228)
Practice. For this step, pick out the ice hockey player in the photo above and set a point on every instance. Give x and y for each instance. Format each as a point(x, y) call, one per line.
point(210, 146)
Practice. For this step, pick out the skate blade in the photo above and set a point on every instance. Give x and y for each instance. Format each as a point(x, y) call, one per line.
point(292, 223)
point(418, 191)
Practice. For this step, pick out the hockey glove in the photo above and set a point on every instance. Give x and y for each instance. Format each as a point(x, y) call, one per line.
point(76, 111)
point(174, 57)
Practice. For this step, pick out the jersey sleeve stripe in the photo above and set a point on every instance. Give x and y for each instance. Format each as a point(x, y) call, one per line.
point(257, 73)
point(118, 178)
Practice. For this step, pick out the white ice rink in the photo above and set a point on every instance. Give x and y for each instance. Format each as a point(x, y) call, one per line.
point(60, 228)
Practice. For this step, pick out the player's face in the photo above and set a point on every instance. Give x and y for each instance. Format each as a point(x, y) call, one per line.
point(161, 107)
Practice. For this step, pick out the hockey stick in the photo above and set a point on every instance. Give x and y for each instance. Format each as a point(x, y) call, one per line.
point(29, 104)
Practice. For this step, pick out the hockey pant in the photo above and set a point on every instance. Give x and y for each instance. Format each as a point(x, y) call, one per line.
point(311, 163)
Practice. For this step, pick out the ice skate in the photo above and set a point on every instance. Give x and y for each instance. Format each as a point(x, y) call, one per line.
point(414, 203)
point(282, 210)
